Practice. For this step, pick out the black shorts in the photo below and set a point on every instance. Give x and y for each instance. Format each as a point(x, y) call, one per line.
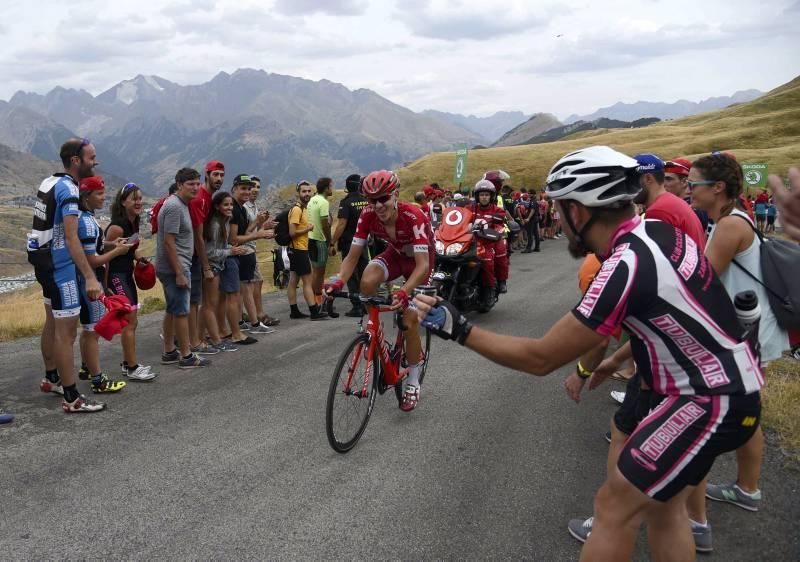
point(196, 290)
point(247, 268)
point(299, 262)
point(676, 444)
point(770, 219)
point(636, 405)
point(44, 276)
point(122, 283)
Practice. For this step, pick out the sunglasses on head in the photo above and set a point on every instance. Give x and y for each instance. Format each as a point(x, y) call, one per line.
point(382, 200)
point(128, 186)
point(84, 142)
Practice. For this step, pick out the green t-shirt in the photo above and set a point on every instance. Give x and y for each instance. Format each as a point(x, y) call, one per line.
point(318, 209)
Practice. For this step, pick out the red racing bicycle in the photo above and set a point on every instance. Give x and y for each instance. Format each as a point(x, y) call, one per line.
point(367, 367)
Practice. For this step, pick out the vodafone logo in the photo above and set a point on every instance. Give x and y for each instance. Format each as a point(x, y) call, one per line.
point(454, 217)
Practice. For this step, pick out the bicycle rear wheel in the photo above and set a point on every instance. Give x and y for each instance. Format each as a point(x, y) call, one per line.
point(351, 396)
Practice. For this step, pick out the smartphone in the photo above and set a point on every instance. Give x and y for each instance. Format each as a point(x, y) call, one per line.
point(133, 239)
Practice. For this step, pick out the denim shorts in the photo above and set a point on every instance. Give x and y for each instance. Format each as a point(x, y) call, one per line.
point(229, 276)
point(177, 299)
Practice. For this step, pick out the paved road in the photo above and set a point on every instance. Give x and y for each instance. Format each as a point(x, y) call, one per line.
point(232, 462)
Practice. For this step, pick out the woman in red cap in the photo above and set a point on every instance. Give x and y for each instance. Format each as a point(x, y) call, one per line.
point(92, 197)
point(126, 211)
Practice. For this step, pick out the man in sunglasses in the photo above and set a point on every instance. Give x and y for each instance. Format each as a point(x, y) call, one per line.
point(406, 230)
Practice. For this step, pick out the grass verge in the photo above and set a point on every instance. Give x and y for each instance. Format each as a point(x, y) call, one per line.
point(781, 398)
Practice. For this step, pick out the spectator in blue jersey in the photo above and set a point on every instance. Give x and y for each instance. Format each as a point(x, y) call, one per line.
point(57, 255)
point(92, 197)
point(761, 210)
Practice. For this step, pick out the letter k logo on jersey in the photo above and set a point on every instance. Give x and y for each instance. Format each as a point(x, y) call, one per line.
point(419, 231)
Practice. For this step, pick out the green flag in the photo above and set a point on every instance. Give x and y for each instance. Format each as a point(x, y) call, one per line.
point(461, 165)
point(755, 174)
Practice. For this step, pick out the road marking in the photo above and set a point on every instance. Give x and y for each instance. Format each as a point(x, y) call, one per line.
point(294, 349)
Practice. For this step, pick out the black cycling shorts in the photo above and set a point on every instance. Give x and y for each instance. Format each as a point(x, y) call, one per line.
point(121, 283)
point(676, 444)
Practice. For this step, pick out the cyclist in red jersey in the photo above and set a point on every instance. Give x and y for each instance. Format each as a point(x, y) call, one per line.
point(493, 255)
point(409, 253)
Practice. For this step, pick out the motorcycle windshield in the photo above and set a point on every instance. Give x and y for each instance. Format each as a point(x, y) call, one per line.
point(455, 225)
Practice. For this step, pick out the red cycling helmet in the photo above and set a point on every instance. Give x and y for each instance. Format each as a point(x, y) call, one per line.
point(380, 183)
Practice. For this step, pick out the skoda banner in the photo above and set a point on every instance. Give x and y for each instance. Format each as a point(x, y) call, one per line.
point(461, 165)
point(755, 174)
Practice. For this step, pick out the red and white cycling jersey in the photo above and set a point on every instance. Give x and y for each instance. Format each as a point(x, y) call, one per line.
point(412, 230)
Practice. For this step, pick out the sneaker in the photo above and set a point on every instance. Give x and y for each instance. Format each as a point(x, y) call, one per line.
point(732, 493)
point(246, 341)
point(618, 396)
point(82, 405)
point(580, 529)
point(140, 373)
point(702, 537)
point(84, 374)
point(207, 349)
point(607, 435)
point(5, 417)
point(170, 358)
point(107, 385)
point(297, 315)
point(244, 326)
point(354, 313)
point(226, 346)
point(410, 398)
point(319, 316)
point(193, 361)
point(48, 386)
point(268, 320)
point(261, 329)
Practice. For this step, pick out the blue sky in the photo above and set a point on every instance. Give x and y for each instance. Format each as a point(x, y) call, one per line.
point(467, 57)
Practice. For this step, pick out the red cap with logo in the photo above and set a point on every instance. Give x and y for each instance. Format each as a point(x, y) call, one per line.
point(94, 183)
point(215, 166)
point(678, 166)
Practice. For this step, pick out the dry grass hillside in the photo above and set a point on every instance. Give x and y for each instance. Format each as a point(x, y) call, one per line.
point(766, 129)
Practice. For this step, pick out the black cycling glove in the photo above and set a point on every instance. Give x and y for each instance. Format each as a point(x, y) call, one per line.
point(447, 322)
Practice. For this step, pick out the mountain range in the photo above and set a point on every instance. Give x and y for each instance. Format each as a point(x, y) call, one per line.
point(281, 127)
point(681, 108)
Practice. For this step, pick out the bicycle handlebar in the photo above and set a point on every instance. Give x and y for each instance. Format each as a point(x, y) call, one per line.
point(376, 301)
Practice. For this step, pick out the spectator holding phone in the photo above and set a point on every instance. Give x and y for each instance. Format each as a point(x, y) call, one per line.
point(126, 212)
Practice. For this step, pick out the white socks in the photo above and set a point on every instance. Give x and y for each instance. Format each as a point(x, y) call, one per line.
point(413, 375)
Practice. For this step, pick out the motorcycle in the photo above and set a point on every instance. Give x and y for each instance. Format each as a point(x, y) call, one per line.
point(458, 265)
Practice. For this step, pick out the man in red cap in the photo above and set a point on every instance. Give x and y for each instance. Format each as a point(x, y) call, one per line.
point(202, 275)
point(676, 175)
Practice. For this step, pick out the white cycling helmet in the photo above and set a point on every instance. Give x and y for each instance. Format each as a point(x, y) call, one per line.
point(484, 185)
point(597, 176)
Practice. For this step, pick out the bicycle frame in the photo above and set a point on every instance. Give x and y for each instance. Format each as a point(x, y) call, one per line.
point(391, 372)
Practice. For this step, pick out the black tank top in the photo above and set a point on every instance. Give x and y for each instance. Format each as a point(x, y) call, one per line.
point(125, 262)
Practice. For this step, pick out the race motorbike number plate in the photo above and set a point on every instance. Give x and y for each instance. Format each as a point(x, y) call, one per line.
point(454, 217)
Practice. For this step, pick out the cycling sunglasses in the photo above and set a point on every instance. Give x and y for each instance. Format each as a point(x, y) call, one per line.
point(382, 200)
point(693, 184)
point(128, 186)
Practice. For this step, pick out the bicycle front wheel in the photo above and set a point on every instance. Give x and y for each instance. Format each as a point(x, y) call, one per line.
point(351, 395)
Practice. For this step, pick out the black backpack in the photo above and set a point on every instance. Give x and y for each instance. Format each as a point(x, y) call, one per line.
point(282, 237)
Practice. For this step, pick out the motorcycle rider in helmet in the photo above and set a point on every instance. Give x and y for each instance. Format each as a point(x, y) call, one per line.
point(493, 255)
